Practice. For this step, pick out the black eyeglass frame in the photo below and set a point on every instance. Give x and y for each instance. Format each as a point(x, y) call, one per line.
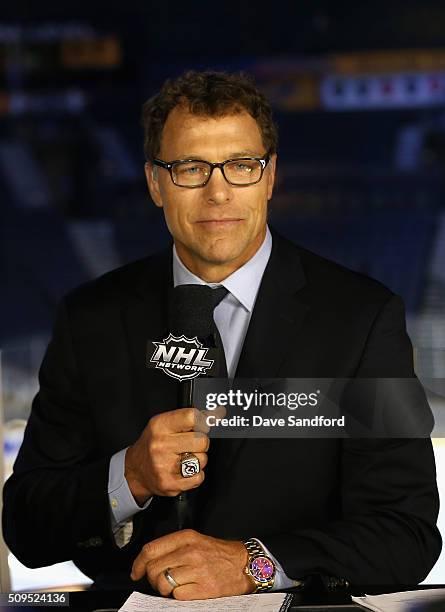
point(169, 166)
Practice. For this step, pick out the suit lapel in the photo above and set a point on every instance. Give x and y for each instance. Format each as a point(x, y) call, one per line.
point(277, 315)
point(272, 336)
point(145, 318)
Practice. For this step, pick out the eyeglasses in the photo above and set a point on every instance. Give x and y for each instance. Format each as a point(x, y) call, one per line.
point(194, 173)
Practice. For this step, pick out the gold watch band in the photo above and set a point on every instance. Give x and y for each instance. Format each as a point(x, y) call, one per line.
point(254, 549)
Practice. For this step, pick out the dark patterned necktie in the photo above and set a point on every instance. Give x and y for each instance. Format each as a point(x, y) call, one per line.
point(218, 294)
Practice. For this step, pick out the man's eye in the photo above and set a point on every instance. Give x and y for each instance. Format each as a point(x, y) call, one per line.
point(243, 167)
point(190, 170)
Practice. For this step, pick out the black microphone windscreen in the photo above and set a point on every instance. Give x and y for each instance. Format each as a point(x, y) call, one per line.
point(191, 311)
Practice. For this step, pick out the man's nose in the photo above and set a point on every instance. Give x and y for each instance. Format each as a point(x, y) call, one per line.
point(218, 190)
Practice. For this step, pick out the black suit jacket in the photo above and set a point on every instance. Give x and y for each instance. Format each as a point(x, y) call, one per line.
point(364, 510)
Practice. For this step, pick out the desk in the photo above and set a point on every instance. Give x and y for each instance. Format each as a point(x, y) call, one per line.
point(87, 601)
point(311, 601)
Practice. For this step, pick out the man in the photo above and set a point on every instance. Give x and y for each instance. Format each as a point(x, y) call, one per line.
point(99, 472)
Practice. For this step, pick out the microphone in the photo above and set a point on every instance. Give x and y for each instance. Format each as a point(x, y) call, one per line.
point(191, 322)
point(191, 316)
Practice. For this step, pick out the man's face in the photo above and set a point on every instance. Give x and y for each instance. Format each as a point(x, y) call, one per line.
point(218, 226)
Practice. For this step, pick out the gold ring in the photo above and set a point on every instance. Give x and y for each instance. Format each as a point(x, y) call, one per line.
point(171, 581)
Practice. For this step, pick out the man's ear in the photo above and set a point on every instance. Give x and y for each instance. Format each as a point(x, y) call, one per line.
point(151, 174)
point(271, 167)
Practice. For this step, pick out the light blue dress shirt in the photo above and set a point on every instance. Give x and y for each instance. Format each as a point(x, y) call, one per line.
point(232, 317)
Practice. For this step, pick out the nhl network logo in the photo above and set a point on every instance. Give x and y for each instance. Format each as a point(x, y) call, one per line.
point(180, 357)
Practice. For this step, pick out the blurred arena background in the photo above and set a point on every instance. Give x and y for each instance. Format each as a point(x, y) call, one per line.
point(358, 91)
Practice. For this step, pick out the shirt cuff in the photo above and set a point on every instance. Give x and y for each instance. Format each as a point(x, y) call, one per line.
point(122, 503)
point(282, 581)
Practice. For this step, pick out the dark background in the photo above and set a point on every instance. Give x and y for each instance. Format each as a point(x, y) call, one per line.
point(358, 91)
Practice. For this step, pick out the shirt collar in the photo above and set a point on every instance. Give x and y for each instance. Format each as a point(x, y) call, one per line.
point(243, 284)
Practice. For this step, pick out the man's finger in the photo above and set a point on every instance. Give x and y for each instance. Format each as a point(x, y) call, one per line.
point(174, 483)
point(190, 591)
point(201, 419)
point(218, 413)
point(182, 564)
point(186, 484)
point(176, 421)
point(202, 458)
point(187, 420)
point(183, 574)
point(188, 442)
point(160, 547)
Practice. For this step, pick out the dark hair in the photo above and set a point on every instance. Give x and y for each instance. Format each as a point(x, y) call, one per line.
point(210, 94)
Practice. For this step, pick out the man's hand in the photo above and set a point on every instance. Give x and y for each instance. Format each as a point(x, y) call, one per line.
point(203, 566)
point(152, 463)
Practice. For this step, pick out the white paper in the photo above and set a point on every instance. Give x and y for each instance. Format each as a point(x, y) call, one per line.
point(261, 602)
point(399, 602)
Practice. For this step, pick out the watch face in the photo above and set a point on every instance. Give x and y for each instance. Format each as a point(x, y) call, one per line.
point(262, 568)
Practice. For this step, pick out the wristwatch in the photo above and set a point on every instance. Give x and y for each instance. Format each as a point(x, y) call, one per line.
point(260, 568)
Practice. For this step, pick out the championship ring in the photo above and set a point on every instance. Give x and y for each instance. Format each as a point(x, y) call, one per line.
point(189, 465)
